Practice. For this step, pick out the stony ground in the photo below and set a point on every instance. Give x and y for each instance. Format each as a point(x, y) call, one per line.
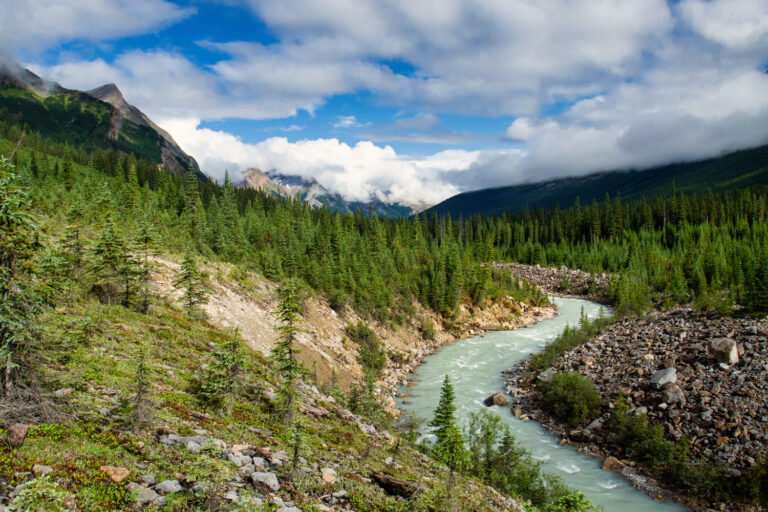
point(551, 280)
point(700, 375)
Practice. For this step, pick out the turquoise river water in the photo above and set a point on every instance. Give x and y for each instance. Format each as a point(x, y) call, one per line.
point(475, 365)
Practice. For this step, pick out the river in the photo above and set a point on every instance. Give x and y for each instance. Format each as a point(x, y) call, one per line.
point(475, 365)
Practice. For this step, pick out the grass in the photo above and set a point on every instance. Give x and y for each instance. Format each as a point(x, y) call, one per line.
point(92, 348)
point(570, 338)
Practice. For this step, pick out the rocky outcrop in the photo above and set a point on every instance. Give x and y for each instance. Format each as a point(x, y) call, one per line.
point(699, 375)
point(497, 399)
point(561, 281)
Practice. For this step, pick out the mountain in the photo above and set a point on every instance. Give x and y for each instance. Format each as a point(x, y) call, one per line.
point(97, 119)
point(314, 194)
point(739, 169)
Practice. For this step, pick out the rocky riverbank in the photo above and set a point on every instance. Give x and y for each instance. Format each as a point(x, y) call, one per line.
point(494, 317)
point(561, 281)
point(699, 375)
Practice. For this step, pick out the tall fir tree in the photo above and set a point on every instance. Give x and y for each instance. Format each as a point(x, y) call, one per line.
point(284, 353)
point(193, 285)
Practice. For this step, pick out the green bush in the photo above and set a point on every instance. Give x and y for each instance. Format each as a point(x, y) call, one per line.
point(572, 398)
point(43, 495)
point(427, 329)
point(570, 338)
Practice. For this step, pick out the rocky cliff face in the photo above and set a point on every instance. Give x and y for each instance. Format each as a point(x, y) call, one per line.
point(173, 157)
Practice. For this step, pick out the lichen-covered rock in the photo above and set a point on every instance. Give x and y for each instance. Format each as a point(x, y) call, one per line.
point(265, 480)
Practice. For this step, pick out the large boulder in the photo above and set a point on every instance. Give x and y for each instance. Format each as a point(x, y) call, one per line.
point(168, 487)
point(665, 376)
point(265, 480)
point(497, 399)
point(144, 495)
point(16, 434)
point(725, 350)
point(612, 464)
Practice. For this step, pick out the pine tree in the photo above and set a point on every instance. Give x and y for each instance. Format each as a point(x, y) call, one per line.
point(193, 284)
point(444, 414)
point(144, 245)
point(284, 352)
point(17, 247)
point(140, 400)
point(449, 447)
point(108, 265)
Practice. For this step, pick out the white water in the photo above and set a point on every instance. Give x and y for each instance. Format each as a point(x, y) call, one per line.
point(475, 365)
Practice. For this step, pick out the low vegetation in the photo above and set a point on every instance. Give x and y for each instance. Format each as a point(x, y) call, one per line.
point(571, 398)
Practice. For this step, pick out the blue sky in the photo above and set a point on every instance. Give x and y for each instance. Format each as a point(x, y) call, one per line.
point(416, 101)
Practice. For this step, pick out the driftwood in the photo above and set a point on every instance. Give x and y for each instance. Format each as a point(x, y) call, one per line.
point(395, 486)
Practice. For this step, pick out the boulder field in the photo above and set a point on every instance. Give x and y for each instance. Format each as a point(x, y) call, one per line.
point(700, 375)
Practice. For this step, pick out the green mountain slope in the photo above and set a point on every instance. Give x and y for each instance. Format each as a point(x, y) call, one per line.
point(735, 170)
point(98, 119)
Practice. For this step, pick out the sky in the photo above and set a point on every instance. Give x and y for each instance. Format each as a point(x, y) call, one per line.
point(415, 101)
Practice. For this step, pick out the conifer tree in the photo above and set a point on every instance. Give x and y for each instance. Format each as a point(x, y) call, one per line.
point(144, 246)
point(17, 247)
point(140, 400)
point(193, 284)
point(284, 352)
point(108, 265)
point(449, 447)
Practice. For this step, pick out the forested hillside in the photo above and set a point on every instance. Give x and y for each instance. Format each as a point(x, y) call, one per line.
point(741, 169)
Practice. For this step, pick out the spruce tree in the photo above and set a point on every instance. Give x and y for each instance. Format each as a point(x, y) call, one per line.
point(193, 285)
point(284, 352)
point(17, 247)
point(108, 265)
point(449, 447)
point(143, 243)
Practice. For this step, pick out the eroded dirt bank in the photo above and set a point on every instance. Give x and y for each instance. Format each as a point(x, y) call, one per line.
point(246, 302)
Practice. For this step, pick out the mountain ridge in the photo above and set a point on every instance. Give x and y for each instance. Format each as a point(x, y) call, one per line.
point(310, 191)
point(99, 118)
point(737, 169)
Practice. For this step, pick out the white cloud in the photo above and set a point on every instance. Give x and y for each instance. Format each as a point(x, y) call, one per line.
point(35, 24)
point(635, 83)
point(346, 122)
point(358, 172)
point(738, 24)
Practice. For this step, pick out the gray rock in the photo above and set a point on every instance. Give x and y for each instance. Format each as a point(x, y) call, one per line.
point(725, 350)
point(260, 462)
point(168, 487)
point(144, 495)
point(40, 469)
point(266, 480)
point(148, 479)
point(673, 395)
point(665, 376)
point(193, 447)
point(546, 375)
point(230, 496)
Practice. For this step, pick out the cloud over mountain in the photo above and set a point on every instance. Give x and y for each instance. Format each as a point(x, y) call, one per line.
point(589, 85)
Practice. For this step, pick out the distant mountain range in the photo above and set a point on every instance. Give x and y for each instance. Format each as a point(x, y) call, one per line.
point(739, 169)
point(97, 119)
point(314, 194)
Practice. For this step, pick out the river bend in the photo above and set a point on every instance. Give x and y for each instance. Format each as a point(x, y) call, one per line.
point(475, 365)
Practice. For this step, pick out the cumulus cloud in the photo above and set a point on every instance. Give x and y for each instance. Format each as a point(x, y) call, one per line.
point(359, 172)
point(736, 24)
point(626, 84)
point(33, 25)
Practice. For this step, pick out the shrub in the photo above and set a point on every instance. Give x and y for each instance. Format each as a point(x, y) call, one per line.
point(42, 494)
point(427, 329)
point(572, 398)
